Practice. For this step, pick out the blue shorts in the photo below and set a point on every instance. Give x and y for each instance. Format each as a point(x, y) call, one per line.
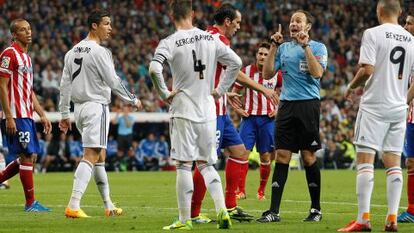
point(25, 140)
point(409, 141)
point(226, 134)
point(259, 130)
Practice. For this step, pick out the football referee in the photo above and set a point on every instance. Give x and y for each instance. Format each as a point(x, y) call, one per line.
point(303, 62)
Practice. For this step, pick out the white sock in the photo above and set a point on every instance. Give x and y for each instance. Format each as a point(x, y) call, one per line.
point(80, 183)
point(394, 187)
point(364, 186)
point(185, 188)
point(101, 180)
point(213, 184)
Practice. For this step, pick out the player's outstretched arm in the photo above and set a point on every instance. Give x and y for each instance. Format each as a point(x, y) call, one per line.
point(269, 63)
point(243, 79)
point(47, 126)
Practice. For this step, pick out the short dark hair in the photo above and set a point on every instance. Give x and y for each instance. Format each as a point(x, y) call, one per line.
point(225, 11)
point(264, 44)
point(309, 17)
point(391, 7)
point(180, 9)
point(96, 17)
point(13, 24)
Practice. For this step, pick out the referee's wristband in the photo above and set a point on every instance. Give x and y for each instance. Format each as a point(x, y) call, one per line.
point(275, 42)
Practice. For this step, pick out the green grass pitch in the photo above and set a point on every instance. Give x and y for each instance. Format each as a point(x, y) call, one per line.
point(149, 203)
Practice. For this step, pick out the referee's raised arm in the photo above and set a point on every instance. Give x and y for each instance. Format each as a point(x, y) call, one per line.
point(269, 64)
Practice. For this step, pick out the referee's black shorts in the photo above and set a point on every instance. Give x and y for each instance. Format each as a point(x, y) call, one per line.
point(297, 125)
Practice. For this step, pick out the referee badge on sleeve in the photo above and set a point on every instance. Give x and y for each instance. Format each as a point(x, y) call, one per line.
point(5, 62)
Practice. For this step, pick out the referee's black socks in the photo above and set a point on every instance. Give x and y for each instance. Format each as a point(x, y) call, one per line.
point(279, 178)
point(313, 176)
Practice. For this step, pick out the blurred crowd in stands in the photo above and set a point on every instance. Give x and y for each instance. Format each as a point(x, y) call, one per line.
point(138, 25)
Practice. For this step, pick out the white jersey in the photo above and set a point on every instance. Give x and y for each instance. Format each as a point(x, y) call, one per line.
point(88, 76)
point(192, 56)
point(390, 49)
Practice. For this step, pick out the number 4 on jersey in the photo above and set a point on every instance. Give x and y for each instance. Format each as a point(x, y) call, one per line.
point(198, 66)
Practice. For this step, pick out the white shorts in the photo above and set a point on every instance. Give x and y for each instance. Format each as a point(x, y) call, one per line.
point(381, 136)
point(191, 141)
point(92, 120)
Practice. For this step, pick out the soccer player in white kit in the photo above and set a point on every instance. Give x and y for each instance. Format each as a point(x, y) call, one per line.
point(192, 55)
point(87, 79)
point(386, 62)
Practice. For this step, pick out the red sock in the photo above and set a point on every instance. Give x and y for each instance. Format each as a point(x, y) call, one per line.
point(410, 192)
point(233, 175)
point(198, 194)
point(264, 175)
point(243, 175)
point(26, 177)
point(11, 170)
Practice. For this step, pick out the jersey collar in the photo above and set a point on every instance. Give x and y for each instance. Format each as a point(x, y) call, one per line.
point(215, 30)
point(17, 47)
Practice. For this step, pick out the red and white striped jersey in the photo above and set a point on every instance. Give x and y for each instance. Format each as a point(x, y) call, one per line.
point(220, 72)
point(255, 102)
point(17, 66)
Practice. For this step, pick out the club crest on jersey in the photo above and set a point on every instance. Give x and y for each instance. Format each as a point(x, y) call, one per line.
point(5, 62)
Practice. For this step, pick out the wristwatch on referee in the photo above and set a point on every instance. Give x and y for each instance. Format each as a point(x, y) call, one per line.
point(305, 45)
